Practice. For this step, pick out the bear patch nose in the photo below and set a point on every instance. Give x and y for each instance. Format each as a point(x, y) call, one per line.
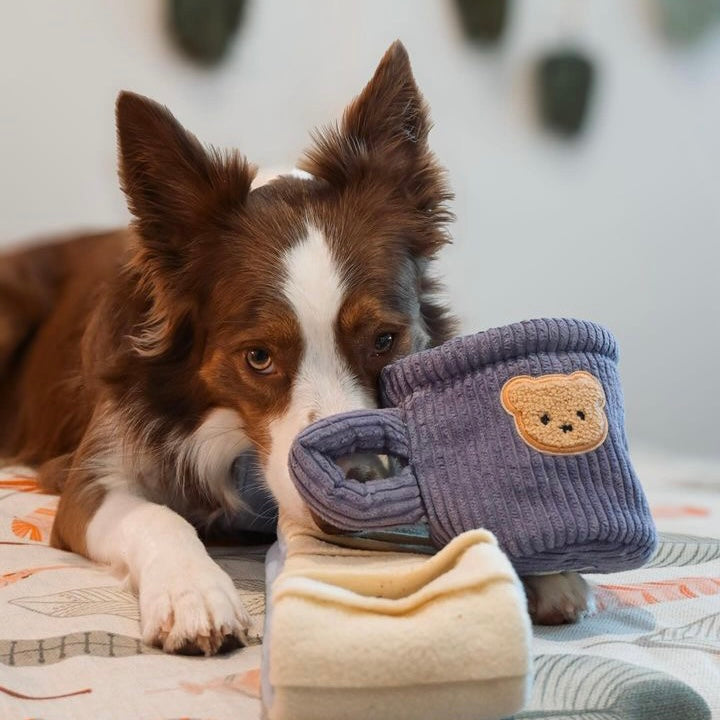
point(567, 427)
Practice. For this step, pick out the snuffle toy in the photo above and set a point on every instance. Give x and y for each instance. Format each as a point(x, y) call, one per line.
point(518, 430)
point(512, 457)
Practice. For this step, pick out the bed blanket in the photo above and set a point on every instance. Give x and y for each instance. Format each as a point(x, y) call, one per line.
point(70, 638)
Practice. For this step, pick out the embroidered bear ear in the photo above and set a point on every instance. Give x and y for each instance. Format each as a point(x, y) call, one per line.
point(521, 391)
point(584, 381)
point(556, 413)
point(512, 392)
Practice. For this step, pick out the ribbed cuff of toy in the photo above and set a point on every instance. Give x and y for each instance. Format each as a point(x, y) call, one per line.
point(464, 355)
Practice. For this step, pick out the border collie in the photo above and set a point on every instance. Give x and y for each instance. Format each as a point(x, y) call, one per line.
point(136, 365)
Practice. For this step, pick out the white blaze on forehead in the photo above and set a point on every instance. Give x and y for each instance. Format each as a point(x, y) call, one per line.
point(324, 383)
point(266, 175)
point(314, 289)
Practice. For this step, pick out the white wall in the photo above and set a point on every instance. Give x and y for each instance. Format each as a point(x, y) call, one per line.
point(622, 227)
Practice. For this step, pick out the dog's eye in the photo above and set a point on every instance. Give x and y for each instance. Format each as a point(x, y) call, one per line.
point(384, 342)
point(260, 360)
point(544, 418)
point(580, 414)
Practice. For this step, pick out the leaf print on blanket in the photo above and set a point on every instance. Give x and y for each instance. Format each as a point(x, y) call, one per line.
point(13, 577)
point(702, 635)
point(21, 483)
point(23, 696)
point(47, 651)
point(83, 601)
point(619, 621)
point(252, 594)
point(35, 526)
point(676, 550)
point(247, 683)
point(654, 592)
point(664, 512)
point(588, 687)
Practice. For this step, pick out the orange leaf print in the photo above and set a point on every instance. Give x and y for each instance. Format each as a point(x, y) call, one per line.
point(13, 577)
point(678, 511)
point(21, 484)
point(247, 683)
point(36, 526)
point(659, 591)
point(24, 529)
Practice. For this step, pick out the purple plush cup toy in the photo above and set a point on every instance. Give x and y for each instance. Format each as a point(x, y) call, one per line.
point(518, 429)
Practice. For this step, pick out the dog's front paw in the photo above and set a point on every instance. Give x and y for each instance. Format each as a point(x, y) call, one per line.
point(559, 598)
point(191, 609)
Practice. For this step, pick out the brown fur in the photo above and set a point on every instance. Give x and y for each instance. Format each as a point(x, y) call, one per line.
point(47, 294)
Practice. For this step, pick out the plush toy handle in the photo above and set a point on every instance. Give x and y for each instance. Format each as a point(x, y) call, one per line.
point(346, 503)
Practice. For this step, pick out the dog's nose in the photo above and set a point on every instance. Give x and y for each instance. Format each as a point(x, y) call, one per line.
point(567, 427)
point(363, 467)
point(363, 473)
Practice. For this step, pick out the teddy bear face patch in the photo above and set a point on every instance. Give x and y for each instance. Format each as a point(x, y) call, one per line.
point(557, 414)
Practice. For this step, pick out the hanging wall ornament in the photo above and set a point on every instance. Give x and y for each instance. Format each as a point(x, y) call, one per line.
point(565, 75)
point(483, 20)
point(685, 21)
point(204, 29)
point(565, 85)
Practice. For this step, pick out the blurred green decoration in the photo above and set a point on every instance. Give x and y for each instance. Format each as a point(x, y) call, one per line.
point(565, 81)
point(685, 21)
point(483, 21)
point(204, 29)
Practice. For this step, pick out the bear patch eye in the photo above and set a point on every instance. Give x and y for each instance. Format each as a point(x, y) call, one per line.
point(544, 418)
point(580, 414)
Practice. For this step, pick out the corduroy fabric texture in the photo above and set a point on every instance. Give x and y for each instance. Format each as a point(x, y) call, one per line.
point(467, 465)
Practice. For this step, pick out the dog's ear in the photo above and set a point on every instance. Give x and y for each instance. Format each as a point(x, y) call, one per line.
point(179, 193)
point(386, 127)
point(389, 118)
point(174, 186)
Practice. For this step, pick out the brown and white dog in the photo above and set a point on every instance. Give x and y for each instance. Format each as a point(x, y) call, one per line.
point(136, 365)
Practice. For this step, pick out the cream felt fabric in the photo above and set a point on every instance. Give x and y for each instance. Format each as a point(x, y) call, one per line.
point(358, 633)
